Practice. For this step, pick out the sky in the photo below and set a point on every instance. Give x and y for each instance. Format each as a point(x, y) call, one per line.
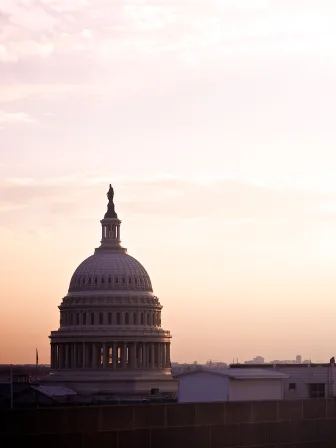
point(215, 122)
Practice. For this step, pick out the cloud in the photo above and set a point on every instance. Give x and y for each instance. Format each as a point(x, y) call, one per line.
point(224, 199)
point(42, 28)
point(15, 117)
point(55, 48)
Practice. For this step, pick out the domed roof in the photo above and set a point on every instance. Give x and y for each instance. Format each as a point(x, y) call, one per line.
point(110, 267)
point(110, 270)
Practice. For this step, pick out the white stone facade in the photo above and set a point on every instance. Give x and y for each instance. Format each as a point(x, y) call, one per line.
point(110, 338)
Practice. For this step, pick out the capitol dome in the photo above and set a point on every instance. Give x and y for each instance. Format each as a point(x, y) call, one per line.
point(110, 270)
point(110, 338)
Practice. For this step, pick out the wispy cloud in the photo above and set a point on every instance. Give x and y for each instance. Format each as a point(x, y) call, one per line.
point(106, 30)
point(15, 117)
point(228, 199)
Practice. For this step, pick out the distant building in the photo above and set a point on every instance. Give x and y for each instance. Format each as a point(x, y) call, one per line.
point(256, 360)
point(305, 380)
point(177, 368)
point(230, 385)
point(215, 365)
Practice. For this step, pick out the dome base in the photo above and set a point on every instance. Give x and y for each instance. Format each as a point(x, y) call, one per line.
point(134, 382)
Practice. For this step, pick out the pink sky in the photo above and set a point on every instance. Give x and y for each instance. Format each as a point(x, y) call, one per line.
point(215, 122)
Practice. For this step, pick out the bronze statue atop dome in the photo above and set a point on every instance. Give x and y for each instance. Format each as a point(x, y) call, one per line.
point(110, 194)
point(110, 206)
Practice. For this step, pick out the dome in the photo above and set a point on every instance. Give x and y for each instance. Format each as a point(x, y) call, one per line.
point(110, 270)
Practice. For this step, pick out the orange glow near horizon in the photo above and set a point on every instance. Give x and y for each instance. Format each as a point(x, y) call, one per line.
point(215, 124)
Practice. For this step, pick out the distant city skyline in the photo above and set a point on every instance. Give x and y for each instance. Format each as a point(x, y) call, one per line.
point(214, 120)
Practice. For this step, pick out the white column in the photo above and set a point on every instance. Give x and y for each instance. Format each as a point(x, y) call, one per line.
point(60, 354)
point(159, 355)
point(52, 361)
point(105, 355)
point(123, 355)
point(57, 357)
point(163, 355)
point(144, 355)
point(140, 345)
point(66, 347)
point(114, 356)
point(168, 355)
point(94, 355)
point(74, 356)
point(84, 356)
point(152, 356)
point(133, 355)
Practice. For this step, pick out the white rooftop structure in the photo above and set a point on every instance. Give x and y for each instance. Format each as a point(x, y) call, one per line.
point(209, 385)
point(110, 338)
point(311, 380)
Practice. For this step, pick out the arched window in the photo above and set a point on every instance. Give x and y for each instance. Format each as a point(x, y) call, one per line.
point(153, 318)
point(142, 319)
point(84, 318)
point(148, 317)
point(92, 318)
point(129, 280)
point(135, 319)
point(126, 319)
point(71, 319)
point(110, 280)
point(77, 319)
point(96, 280)
point(90, 281)
point(109, 318)
point(118, 318)
point(100, 318)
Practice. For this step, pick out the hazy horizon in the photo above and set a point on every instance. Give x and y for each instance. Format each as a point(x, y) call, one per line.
point(214, 121)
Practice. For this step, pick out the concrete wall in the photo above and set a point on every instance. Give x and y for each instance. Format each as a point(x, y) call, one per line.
point(202, 387)
point(252, 389)
point(272, 424)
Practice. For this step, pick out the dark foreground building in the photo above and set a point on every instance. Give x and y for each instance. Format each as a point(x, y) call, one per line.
point(282, 424)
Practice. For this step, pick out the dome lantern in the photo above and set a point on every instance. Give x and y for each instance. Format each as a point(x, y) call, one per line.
point(111, 227)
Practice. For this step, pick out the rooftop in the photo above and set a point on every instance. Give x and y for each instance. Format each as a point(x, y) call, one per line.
point(238, 374)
